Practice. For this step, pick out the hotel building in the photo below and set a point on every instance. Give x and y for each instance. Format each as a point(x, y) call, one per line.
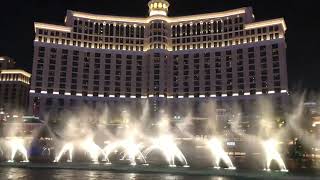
point(14, 87)
point(173, 62)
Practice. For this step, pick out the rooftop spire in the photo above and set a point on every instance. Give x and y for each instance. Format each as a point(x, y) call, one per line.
point(158, 7)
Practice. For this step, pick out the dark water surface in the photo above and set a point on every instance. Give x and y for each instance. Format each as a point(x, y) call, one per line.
point(52, 174)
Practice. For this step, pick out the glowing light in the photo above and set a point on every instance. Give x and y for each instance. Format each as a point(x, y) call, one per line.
point(271, 92)
point(272, 22)
point(271, 152)
point(52, 27)
point(16, 71)
point(215, 147)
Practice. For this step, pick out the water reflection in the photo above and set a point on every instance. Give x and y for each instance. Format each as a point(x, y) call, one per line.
point(38, 174)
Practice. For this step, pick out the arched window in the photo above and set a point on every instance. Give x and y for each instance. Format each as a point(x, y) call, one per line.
point(127, 31)
point(101, 29)
point(198, 28)
point(121, 30)
point(215, 26)
point(111, 30)
point(184, 29)
point(219, 26)
point(194, 29)
point(178, 30)
point(117, 30)
point(142, 32)
point(174, 31)
point(188, 30)
point(107, 30)
point(96, 28)
point(209, 27)
point(204, 28)
point(131, 31)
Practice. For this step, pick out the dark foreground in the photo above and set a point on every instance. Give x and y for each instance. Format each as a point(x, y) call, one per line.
point(78, 171)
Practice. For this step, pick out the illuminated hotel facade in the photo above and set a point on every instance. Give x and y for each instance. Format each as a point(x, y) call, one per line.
point(14, 87)
point(171, 61)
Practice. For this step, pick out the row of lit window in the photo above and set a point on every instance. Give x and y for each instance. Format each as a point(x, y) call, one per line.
point(85, 94)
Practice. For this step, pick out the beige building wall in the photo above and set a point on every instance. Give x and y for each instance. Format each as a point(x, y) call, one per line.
point(109, 59)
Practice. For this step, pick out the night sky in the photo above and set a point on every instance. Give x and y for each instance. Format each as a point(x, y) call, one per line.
point(302, 18)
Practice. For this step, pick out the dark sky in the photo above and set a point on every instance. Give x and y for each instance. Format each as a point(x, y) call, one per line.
point(302, 18)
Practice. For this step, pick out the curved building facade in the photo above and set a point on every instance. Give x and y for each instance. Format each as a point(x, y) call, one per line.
point(99, 59)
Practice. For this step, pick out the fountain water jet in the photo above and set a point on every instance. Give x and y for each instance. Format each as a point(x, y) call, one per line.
point(219, 154)
point(66, 148)
point(92, 149)
point(132, 150)
point(168, 148)
point(271, 152)
point(17, 145)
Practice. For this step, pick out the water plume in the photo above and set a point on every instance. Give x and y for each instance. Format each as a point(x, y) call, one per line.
point(168, 148)
point(94, 151)
point(215, 147)
point(17, 145)
point(272, 153)
point(68, 147)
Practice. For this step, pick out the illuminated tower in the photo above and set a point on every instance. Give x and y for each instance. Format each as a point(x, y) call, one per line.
point(158, 8)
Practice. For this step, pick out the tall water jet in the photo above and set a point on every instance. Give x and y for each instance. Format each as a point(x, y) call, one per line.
point(219, 154)
point(272, 153)
point(94, 151)
point(169, 149)
point(17, 145)
point(66, 148)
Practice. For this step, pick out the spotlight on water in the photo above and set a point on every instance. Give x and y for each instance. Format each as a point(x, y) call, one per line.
point(17, 145)
point(66, 148)
point(216, 148)
point(271, 152)
point(168, 148)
